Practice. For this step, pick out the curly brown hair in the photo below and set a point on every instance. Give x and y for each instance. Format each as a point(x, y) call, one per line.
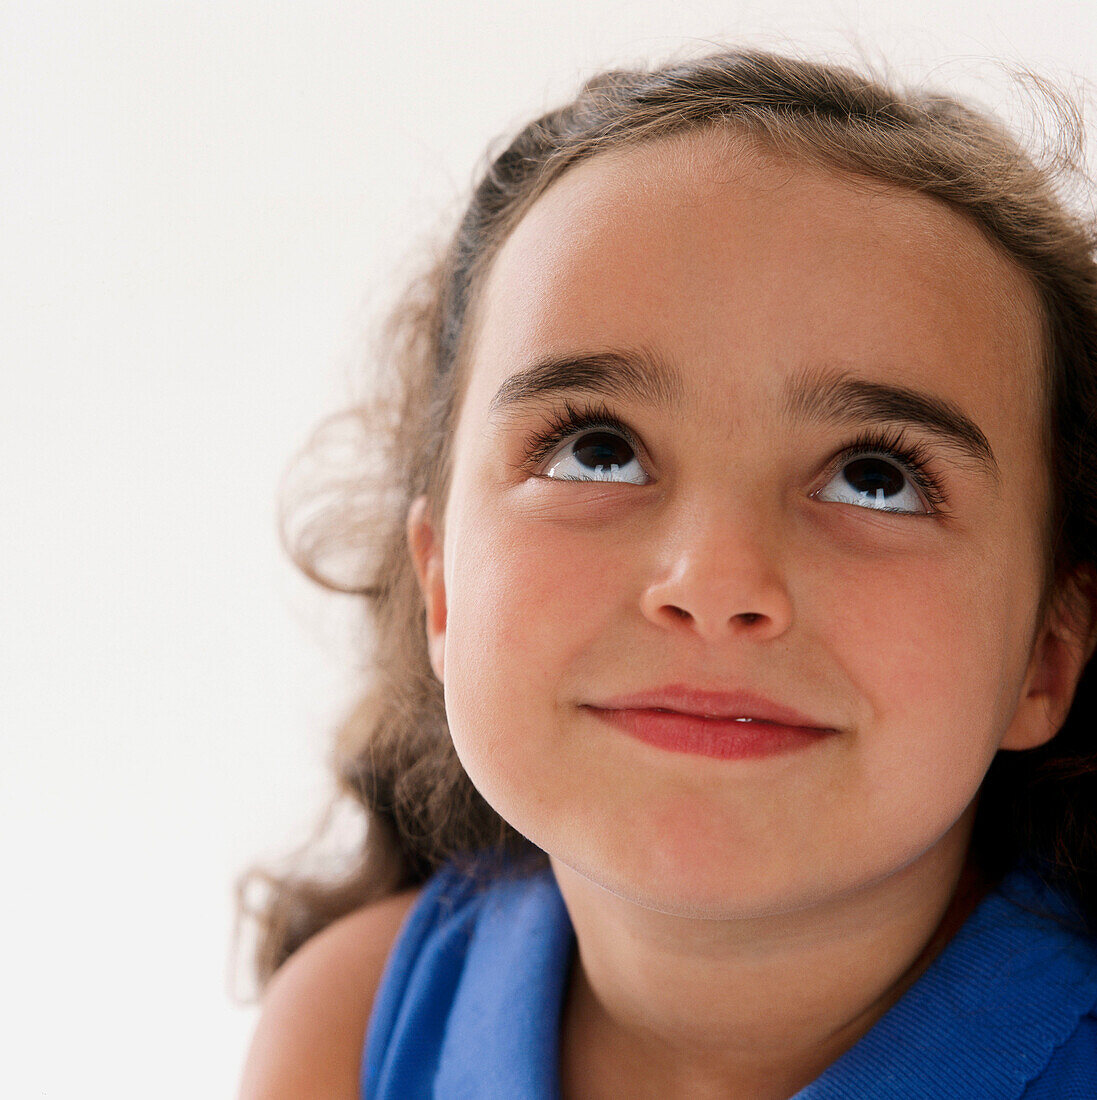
point(393, 758)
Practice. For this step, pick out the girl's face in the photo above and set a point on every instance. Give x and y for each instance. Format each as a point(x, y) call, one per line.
point(731, 540)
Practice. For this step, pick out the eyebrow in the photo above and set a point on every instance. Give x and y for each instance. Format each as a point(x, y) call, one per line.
point(637, 376)
point(823, 394)
point(837, 395)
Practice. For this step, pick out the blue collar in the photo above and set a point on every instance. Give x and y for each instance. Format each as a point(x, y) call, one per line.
point(488, 969)
point(989, 1012)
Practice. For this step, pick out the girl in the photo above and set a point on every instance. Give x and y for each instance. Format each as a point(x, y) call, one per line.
point(731, 732)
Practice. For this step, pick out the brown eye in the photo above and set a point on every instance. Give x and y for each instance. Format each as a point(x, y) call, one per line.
point(596, 456)
point(874, 481)
point(869, 476)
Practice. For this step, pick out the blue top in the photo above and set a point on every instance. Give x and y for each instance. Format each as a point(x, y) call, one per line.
point(469, 1005)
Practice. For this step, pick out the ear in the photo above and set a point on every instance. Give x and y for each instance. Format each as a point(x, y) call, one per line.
point(426, 552)
point(1062, 650)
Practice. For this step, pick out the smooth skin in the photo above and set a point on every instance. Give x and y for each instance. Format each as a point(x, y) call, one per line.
point(741, 923)
point(308, 1043)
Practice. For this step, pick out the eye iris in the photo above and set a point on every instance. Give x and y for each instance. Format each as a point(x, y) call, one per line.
point(870, 475)
point(602, 449)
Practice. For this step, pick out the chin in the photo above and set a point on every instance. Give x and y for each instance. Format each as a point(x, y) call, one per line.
point(680, 886)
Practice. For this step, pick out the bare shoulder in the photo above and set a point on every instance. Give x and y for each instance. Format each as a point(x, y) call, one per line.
point(308, 1043)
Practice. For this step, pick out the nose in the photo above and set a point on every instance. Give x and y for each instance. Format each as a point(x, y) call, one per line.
point(720, 579)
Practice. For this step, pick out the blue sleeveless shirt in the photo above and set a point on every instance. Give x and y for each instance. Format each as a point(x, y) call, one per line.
point(469, 1005)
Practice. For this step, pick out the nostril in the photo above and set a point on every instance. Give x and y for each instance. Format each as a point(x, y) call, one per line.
point(750, 616)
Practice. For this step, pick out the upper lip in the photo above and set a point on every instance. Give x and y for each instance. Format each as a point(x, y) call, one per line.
point(712, 704)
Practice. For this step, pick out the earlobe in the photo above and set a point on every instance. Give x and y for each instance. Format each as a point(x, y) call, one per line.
point(425, 546)
point(1059, 658)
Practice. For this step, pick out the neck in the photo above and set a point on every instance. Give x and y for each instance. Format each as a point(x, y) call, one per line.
point(664, 1005)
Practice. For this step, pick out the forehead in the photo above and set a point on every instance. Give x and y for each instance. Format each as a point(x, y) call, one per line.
point(741, 267)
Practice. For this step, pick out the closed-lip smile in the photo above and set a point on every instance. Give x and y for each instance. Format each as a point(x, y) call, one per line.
point(741, 706)
point(734, 725)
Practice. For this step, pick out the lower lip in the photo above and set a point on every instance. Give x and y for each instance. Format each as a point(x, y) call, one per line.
point(722, 738)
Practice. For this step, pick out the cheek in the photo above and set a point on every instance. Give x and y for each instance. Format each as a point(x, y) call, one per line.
point(514, 583)
point(936, 648)
point(526, 605)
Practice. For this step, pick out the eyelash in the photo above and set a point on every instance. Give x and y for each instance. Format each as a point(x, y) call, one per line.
point(568, 421)
point(892, 443)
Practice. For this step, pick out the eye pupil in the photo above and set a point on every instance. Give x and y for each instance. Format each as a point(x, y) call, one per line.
point(869, 475)
point(602, 449)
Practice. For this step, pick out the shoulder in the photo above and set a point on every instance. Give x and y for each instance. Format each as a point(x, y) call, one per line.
point(308, 1042)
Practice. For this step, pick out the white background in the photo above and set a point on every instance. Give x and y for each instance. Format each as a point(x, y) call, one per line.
point(202, 207)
